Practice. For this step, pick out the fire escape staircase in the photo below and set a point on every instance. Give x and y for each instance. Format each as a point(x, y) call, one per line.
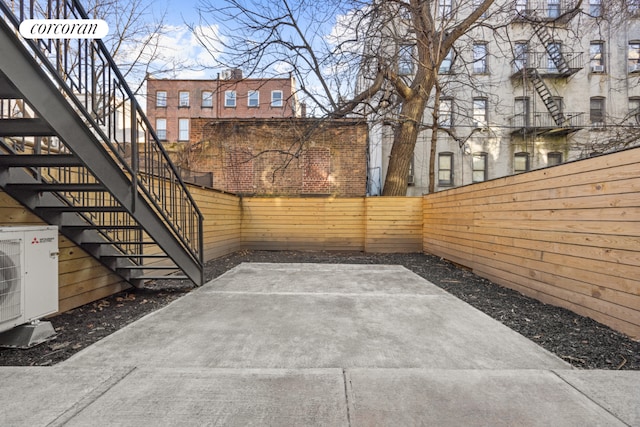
point(77, 150)
point(545, 95)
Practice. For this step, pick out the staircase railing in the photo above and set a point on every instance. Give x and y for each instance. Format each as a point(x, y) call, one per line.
point(88, 77)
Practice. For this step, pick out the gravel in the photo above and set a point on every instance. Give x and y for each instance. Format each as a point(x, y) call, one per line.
point(584, 343)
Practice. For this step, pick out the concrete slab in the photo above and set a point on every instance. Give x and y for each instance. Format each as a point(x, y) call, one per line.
point(43, 396)
point(325, 279)
point(401, 397)
point(214, 397)
point(278, 317)
point(616, 391)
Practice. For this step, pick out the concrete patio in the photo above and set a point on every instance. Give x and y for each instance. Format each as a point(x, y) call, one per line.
point(326, 345)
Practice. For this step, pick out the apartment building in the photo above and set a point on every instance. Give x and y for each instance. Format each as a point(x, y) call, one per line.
point(172, 104)
point(545, 85)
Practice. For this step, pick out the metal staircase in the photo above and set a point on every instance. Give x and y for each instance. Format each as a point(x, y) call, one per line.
point(553, 49)
point(545, 95)
point(77, 150)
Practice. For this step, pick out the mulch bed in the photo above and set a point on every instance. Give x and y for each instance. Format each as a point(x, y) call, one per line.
point(583, 342)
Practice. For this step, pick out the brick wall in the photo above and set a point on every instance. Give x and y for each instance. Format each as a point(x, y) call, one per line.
point(282, 157)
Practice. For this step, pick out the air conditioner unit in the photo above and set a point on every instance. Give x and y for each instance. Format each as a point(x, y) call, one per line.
point(597, 68)
point(28, 284)
point(410, 180)
point(634, 68)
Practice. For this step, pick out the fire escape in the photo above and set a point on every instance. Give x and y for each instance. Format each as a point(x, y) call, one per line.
point(535, 67)
point(78, 151)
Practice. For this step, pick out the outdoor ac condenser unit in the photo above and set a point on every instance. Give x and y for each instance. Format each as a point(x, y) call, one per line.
point(28, 282)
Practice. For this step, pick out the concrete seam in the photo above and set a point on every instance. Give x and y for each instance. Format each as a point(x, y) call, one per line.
point(590, 398)
point(91, 397)
point(346, 395)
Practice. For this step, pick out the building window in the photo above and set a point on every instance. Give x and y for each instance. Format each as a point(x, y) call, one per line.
point(480, 114)
point(447, 63)
point(161, 98)
point(596, 57)
point(276, 98)
point(520, 162)
point(553, 8)
point(479, 167)
point(521, 7)
point(554, 158)
point(633, 6)
point(445, 8)
point(161, 129)
point(253, 99)
point(207, 99)
point(479, 58)
point(445, 169)
point(476, 5)
point(596, 111)
point(554, 50)
point(634, 111)
point(521, 56)
point(405, 60)
point(184, 99)
point(230, 98)
point(595, 8)
point(183, 129)
point(634, 56)
point(445, 113)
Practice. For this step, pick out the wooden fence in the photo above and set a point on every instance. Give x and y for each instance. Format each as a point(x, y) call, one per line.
point(361, 224)
point(567, 235)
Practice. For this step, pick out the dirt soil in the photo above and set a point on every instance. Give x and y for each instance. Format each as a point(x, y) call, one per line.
point(580, 341)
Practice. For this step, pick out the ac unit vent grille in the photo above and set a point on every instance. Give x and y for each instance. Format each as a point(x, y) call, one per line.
point(10, 286)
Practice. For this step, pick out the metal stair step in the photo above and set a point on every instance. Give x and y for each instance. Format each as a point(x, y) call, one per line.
point(81, 208)
point(101, 227)
point(149, 267)
point(58, 186)
point(39, 160)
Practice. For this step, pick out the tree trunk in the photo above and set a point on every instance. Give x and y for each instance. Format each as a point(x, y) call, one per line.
point(404, 143)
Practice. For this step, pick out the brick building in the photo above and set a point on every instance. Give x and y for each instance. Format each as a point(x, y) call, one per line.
point(284, 157)
point(172, 104)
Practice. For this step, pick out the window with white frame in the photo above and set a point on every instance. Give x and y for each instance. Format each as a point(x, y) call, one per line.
point(253, 99)
point(480, 58)
point(447, 63)
point(553, 49)
point(522, 7)
point(161, 129)
point(277, 98)
point(521, 56)
point(230, 98)
point(183, 99)
point(595, 8)
point(596, 57)
point(405, 60)
point(480, 113)
point(520, 162)
point(633, 56)
point(479, 167)
point(553, 8)
point(207, 99)
point(161, 98)
point(445, 8)
point(445, 113)
point(183, 129)
point(445, 169)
